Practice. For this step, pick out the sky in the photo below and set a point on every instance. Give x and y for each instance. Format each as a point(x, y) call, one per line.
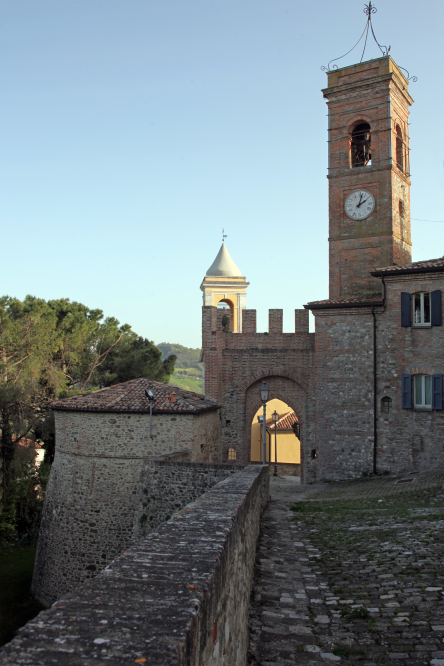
point(133, 131)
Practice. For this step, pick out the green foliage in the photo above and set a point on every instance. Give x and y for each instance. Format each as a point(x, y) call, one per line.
point(225, 321)
point(17, 606)
point(346, 651)
point(135, 357)
point(51, 350)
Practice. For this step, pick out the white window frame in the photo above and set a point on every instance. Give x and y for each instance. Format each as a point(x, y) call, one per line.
point(422, 324)
point(422, 405)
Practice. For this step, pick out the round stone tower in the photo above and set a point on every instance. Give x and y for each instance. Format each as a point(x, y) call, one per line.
point(103, 444)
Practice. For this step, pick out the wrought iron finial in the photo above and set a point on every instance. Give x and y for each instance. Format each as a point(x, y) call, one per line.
point(385, 50)
point(224, 236)
point(408, 77)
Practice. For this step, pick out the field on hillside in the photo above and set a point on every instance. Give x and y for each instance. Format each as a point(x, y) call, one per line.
point(188, 372)
point(186, 383)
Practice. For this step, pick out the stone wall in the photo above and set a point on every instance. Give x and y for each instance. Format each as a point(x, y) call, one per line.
point(206, 445)
point(167, 484)
point(179, 597)
point(91, 497)
point(406, 439)
point(344, 393)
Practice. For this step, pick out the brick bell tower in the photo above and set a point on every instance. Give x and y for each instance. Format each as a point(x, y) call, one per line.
point(368, 174)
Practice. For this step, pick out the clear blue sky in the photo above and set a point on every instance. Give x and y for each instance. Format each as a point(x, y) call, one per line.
point(132, 131)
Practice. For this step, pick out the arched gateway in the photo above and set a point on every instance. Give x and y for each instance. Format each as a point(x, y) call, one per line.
point(236, 363)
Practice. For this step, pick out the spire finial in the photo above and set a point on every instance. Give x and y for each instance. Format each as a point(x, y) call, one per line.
point(368, 11)
point(224, 236)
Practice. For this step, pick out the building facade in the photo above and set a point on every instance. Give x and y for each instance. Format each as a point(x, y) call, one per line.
point(367, 385)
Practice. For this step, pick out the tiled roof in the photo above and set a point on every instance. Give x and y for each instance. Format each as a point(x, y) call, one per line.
point(130, 397)
point(417, 267)
point(353, 301)
point(285, 422)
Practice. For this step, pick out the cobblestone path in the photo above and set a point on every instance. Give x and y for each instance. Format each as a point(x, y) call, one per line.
point(351, 573)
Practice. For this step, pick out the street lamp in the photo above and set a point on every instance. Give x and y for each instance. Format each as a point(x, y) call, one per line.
point(275, 421)
point(150, 396)
point(264, 392)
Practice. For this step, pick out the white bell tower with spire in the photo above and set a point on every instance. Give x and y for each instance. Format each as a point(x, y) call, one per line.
point(224, 283)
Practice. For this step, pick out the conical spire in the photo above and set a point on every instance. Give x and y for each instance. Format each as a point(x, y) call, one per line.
point(223, 265)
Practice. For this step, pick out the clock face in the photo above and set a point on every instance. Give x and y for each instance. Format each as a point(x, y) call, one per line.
point(359, 204)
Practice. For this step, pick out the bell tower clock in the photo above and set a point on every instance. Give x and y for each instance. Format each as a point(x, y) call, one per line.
point(368, 174)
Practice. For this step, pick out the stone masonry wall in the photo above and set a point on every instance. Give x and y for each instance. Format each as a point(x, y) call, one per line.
point(179, 597)
point(167, 485)
point(206, 438)
point(408, 438)
point(344, 393)
point(89, 506)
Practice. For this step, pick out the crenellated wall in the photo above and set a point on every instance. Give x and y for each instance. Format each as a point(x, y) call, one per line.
point(237, 363)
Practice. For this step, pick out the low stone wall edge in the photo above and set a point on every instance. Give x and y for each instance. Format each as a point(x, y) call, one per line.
point(172, 598)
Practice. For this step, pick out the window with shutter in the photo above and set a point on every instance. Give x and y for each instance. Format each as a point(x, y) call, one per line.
point(406, 391)
point(421, 309)
point(436, 307)
point(422, 389)
point(405, 309)
point(437, 392)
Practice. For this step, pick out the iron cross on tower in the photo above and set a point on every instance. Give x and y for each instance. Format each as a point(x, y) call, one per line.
point(224, 236)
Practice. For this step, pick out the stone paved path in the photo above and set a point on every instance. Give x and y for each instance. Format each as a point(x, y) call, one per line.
point(355, 577)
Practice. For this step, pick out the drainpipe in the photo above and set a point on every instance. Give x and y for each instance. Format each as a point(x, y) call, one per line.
point(375, 431)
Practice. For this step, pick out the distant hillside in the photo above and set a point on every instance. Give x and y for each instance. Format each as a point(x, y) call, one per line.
point(188, 373)
point(186, 357)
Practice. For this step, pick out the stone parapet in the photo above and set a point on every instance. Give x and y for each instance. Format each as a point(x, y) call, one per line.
point(168, 483)
point(179, 597)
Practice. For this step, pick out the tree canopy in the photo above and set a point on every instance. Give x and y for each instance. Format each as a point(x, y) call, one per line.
point(51, 349)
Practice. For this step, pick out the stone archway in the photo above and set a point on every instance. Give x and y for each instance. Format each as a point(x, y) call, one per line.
point(294, 395)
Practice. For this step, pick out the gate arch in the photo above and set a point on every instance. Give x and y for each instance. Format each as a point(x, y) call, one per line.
point(241, 402)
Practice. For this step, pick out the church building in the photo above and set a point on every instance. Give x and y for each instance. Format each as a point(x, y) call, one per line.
point(366, 387)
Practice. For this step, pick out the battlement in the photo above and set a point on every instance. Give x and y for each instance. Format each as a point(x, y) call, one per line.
point(212, 322)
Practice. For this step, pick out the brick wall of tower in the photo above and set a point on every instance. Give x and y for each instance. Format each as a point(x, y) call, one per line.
point(374, 92)
point(236, 364)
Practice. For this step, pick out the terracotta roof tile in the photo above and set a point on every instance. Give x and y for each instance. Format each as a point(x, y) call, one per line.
point(371, 299)
point(130, 397)
point(285, 422)
point(415, 267)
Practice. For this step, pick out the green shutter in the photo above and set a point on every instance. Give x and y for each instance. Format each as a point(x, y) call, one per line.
point(407, 391)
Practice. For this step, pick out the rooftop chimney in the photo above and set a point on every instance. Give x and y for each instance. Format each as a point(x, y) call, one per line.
point(167, 398)
point(173, 396)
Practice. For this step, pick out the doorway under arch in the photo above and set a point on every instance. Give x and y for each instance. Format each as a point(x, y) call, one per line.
point(283, 438)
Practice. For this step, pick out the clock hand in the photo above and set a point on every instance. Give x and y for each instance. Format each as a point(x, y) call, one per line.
point(361, 202)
